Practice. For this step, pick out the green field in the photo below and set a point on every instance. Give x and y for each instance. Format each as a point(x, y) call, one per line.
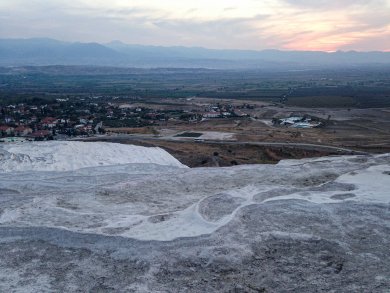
point(321, 101)
point(317, 88)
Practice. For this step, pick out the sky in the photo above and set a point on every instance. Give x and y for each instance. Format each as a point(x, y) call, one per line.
point(361, 25)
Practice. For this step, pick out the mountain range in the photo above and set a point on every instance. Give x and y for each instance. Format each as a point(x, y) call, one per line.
point(42, 51)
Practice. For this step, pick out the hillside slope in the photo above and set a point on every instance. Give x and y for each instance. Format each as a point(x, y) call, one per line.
point(300, 226)
point(72, 155)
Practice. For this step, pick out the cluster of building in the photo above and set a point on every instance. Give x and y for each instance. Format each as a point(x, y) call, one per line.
point(46, 121)
point(155, 116)
point(224, 111)
point(39, 119)
point(297, 122)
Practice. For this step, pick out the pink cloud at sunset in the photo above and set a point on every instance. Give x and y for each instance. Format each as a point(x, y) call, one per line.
point(246, 24)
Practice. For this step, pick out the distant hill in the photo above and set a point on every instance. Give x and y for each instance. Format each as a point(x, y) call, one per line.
point(16, 52)
point(50, 52)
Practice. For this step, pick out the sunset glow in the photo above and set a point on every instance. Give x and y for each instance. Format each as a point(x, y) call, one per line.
point(244, 24)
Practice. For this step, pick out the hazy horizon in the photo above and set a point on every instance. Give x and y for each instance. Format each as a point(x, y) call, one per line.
point(189, 46)
point(247, 24)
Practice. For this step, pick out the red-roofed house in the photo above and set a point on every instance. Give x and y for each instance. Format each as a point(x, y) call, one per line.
point(49, 122)
point(22, 131)
point(41, 135)
point(6, 130)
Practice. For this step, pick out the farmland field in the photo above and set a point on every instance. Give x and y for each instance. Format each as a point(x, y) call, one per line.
point(365, 88)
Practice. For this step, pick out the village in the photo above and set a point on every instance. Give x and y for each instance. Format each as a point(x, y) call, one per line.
point(64, 118)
